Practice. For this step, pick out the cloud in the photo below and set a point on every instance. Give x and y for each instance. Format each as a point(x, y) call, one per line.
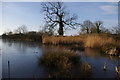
point(109, 9)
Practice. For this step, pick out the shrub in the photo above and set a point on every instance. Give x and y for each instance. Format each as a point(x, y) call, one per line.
point(60, 58)
point(63, 61)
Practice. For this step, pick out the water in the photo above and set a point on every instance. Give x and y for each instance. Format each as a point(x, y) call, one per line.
point(97, 60)
point(23, 57)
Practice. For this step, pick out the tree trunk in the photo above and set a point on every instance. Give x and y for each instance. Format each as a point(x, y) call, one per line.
point(98, 30)
point(61, 25)
point(60, 31)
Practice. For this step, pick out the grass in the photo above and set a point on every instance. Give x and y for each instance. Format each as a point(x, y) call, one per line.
point(91, 40)
point(99, 41)
point(104, 42)
point(64, 40)
point(63, 61)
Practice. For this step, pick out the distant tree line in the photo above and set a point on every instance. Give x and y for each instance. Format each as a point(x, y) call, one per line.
point(89, 27)
point(21, 33)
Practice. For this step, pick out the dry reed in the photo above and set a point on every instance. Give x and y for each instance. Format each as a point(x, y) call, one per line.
point(98, 41)
point(55, 40)
point(92, 40)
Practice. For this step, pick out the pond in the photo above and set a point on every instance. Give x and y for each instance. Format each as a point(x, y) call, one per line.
point(23, 58)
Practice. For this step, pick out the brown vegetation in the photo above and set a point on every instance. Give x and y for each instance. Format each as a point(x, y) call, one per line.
point(102, 41)
point(64, 61)
point(98, 41)
point(55, 57)
point(65, 40)
point(91, 40)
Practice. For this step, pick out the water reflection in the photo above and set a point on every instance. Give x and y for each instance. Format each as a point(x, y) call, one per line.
point(23, 57)
point(23, 60)
point(97, 60)
point(95, 53)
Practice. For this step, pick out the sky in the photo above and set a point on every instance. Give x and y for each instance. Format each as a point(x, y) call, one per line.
point(15, 14)
point(61, 0)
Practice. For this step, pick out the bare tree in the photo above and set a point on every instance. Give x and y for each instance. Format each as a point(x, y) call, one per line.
point(46, 31)
point(104, 30)
point(116, 30)
point(86, 26)
point(56, 15)
point(21, 29)
point(98, 25)
point(7, 31)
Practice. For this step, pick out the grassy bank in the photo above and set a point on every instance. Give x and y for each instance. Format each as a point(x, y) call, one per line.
point(98, 41)
point(91, 40)
point(101, 41)
point(63, 40)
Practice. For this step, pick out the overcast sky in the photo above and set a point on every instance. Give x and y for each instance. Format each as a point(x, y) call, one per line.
point(15, 14)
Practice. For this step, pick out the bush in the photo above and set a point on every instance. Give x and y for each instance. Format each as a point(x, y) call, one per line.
point(63, 61)
point(60, 58)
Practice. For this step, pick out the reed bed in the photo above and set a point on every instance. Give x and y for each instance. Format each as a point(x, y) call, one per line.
point(56, 40)
point(98, 41)
point(91, 40)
